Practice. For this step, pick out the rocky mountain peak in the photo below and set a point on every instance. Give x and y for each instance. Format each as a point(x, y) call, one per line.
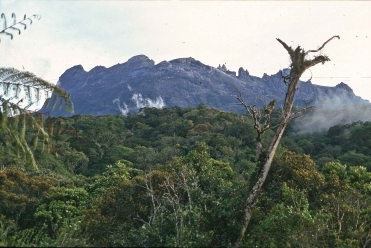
point(96, 69)
point(73, 72)
point(344, 87)
point(222, 68)
point(243, 74)
point(184, 82)
point(183, 60)
point(75, 69)
point(139, 59)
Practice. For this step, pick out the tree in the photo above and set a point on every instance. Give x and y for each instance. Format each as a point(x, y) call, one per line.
point(75, 161)
point(20, 195)
point(61, 207)
point(299, 64)
point(347, 201)
point(20, 91)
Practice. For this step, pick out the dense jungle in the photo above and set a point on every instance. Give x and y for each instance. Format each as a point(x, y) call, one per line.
point(179, 177)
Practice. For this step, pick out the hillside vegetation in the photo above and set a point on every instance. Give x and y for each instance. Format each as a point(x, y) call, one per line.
point(178, 177)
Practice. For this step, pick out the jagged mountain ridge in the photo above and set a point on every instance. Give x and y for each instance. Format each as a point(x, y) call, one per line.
point(183, 82)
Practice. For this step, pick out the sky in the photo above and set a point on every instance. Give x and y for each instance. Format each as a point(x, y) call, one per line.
point(234, 33)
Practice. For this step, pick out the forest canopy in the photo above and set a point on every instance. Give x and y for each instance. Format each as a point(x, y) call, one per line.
point(177, 177)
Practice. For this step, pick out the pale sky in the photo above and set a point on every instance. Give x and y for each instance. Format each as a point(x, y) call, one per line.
point(237, 33)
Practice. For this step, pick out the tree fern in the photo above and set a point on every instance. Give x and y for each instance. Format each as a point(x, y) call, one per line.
point(19, 92)
point(15, 26)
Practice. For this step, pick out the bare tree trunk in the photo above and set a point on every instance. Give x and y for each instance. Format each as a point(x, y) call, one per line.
point(298, 67)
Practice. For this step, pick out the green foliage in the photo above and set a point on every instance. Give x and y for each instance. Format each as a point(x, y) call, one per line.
point(20, 195)
point(177, 177)
point(173, 205)
point(297, 172)
point(348, 199)
point(335, 169)
point(75, 161)
point(290, 223)
point(61, 207)
point(119, 152)
point(21, 90)
point(354, 158)
point(113, 175)
point(13, 114)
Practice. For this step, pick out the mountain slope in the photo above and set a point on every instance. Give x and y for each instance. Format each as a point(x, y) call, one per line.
point(183, 82)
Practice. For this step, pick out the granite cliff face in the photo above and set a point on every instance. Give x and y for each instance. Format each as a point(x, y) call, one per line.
point(183, 82)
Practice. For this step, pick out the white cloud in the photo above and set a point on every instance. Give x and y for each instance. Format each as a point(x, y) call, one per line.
point(141, 102)
point(124, 108)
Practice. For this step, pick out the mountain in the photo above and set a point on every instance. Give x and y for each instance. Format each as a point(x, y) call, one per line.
point(183, 82)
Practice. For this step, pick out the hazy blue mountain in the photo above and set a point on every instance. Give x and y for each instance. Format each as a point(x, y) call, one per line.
point(183, 82)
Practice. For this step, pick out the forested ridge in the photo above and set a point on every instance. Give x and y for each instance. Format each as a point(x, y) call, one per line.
point(178, 177)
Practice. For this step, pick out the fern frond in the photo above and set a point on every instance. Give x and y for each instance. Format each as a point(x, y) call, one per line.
point(5, 23)
point(15, 82)
point(24, 87)
point(15, 23)
point(22, 146)
point(35, 142)
point(22, 131)
point(50, 126)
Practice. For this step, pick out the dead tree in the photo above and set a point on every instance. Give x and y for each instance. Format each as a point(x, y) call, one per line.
point(299, 64)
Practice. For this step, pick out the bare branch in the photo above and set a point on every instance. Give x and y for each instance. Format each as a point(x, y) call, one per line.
point(300, 112)
point(258, 116)
point(324, 44)
point(141, 220)
point(240, 99)
point(288, 49)
point(319, 59)
point(286, 79)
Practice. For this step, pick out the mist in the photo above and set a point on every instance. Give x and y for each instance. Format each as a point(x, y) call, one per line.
point(329, 113)
point(123, 109)
point(147, 102)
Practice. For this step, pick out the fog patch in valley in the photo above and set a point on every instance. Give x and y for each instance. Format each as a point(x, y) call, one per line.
point(330, 112)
